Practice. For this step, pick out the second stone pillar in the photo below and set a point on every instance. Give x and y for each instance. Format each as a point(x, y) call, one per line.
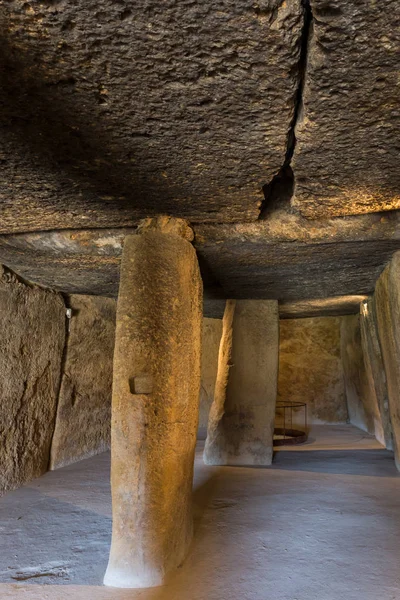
point(240, 429)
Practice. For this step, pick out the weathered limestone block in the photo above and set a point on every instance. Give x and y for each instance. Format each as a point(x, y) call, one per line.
point(241, 431)
point(321, 307)
point(310, 368)
point(156, 385)
point(217, 408)
point(375, 372)
point(212, 330)
point(287, 257)
point(346, 156)
point(32, 333)
point(111, 112)
point(387, 305)
point(84, 405)
point(361, 399)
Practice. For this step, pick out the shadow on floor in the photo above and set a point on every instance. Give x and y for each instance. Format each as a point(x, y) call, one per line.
point(316, 525)
point(57, 542)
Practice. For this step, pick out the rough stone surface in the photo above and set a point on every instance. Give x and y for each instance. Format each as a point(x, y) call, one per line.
point(32, 332)
point(212, 330)
point(289, 258)
point(387, 304)
point(321, 307)
point(244, 425)
point(346, 156)
point(354, 373)
point(84, 405)
point(284, 257)
point(375, 372)
point(111, 112)
point(156, 386)
point(362, 402)
point(310, 368)
point(217, 408)
point(213, 308)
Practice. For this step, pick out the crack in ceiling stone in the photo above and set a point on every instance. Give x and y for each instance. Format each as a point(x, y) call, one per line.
point(281, 187)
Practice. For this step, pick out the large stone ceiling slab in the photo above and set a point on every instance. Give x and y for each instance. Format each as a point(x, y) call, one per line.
point(286, 257)
point(321, 307)
point(111, 111)
point(291, 258)
point(348, 135)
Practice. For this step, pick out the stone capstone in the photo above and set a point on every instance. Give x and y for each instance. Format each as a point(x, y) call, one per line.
point(285, 257)
point(346, 155)
point(289, 258)
point(111, 112)
point(321, 307)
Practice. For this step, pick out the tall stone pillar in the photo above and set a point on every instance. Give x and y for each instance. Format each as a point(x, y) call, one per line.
point(156, 384)
point(241, 421)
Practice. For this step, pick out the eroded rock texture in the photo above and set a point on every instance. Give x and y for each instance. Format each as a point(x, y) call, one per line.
point(84, 405)
point(362, 403)
point(346, 156)
point(242, 427)
point(156, 386)
point(213, 442)
point(32, 331)
point(375, 372)
point(212, 330)
point(112, 111)
point(290, 258)
point(321, 307)
point(387, 305)
point(285, 257)
point(310, 368)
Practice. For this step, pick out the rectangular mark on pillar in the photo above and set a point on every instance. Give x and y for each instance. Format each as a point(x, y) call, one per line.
point(141, 384)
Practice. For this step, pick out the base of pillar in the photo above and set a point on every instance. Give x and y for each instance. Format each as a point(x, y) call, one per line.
point(248, 458)
point(130, 570)
point(123, 578)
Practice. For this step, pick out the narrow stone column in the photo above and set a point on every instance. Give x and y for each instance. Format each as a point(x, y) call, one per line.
point(156, 384)
point(242, 417)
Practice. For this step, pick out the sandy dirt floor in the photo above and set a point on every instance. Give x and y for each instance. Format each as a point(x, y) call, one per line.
point(323, 523)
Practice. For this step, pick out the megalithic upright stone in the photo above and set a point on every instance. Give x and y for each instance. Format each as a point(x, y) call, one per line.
point(387, 306)
point(375, 372)
point(217, 409)
point(156, 384)
point(242, 417)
